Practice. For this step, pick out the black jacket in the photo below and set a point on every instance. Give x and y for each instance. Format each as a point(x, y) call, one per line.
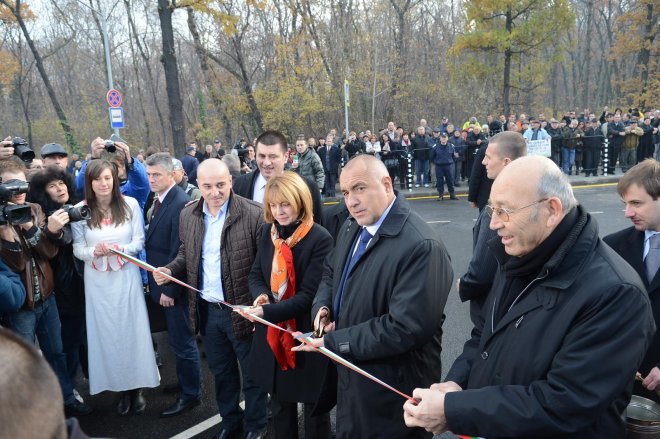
point(562, 361)
point(244, 186)
point(302, 384)
point(421, 149)
point(629, 244)
point(390, 322)
point(161, 241)
point(480, 184)
point(335, 159)
point(334, 217)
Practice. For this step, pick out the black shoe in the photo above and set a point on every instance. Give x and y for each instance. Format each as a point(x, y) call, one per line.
point(138, 403)
point(124, 405)
point(440, 198)
point(229, 434)
point(453, 197)
point(179, 407)
point(255, 435)
point(457, 184)
point(77, 408)
point(172, 388)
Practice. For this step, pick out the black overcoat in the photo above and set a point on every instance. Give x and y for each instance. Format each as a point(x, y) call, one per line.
point(390, 321)
point(303, 383)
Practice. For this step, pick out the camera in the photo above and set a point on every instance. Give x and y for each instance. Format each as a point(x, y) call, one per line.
point(109, 145)
point(13, 214)
point(22, 150)
point(77, 213)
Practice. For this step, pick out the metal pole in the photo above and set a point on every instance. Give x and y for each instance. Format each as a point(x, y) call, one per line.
point(347, 103)
point(108, 63)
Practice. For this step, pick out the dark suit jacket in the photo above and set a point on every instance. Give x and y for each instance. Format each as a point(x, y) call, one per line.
point(334, 217)
point(308, 256)
point(629, 244)
point(390, 320)
point(480, 184)
point(244, 186)
point(335, 159)
point(161, 241)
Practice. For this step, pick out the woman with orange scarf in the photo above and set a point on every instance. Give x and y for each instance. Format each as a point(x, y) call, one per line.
point(283, 281)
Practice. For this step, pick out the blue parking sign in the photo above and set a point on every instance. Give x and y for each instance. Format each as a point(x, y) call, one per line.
point(117, 117)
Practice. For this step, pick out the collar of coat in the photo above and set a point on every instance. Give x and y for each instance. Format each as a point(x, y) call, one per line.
point(567, 262)
point(395, 219)
point(233, 209)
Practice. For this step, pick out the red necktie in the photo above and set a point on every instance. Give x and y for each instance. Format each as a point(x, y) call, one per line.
point(156, 207)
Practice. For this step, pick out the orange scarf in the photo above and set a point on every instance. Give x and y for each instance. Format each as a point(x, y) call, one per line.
point(283, 286)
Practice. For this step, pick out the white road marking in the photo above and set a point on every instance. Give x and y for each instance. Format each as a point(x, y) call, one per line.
point(202, 426)
point(437, 222)
point(593, 213)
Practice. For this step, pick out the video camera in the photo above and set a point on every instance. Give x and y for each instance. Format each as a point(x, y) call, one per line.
point(22, 150)
point(13, 214)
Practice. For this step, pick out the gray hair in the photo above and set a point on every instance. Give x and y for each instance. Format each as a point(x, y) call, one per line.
point(554, 183)
point(232, 162)
point(161, 159)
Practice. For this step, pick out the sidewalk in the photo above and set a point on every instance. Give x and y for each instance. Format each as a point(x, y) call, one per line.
point(462, 190)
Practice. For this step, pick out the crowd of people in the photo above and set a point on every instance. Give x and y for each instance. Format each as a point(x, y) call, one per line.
point(247, 231)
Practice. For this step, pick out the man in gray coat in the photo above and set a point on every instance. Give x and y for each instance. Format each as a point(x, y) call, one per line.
point(381, 302)
point(309, 164)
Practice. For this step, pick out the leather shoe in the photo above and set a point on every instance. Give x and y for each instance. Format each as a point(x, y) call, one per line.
point(138, 403)
point(124, 405)
point(255, 435)
point(77, 408)
point(180, 406)
point(172, 388)
point(229, 434)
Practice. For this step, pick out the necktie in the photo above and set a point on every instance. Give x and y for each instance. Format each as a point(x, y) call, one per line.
point(652, 261)
point(365, 237)
point(156, 207)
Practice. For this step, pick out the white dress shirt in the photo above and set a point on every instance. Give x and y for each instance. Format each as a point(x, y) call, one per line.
point(211, 259)
point(259, 189)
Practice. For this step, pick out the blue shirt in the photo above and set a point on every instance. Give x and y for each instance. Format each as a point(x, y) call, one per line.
point(211, 259)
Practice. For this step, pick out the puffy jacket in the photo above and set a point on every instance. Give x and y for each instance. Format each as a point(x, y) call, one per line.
point(542, 134)
point(632, 137)
point(561, 362)
point(571, 139)
point(237, 252)
point(310, 166)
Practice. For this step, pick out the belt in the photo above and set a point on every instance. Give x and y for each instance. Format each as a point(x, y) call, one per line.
point(216, 305)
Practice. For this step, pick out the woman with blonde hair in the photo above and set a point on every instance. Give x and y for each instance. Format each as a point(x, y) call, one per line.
point(285, 276)
point(121, 356)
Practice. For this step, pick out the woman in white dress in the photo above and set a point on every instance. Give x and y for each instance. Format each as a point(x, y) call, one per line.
point(121, 356)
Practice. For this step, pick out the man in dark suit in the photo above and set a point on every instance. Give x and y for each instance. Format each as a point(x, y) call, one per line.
point(639, 245)
point(381, 302)
point(330, 156)
point(272, 154)
point(162, 245)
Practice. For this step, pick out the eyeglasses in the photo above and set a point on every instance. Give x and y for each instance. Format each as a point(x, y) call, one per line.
point(505, 214)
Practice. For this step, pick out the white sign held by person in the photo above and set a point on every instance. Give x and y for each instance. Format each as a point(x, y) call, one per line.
point(539, 147)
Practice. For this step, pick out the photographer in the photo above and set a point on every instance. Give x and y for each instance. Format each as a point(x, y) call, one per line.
point(50, 188)
point(132, 174)
point(27, 249)
point(6, 149)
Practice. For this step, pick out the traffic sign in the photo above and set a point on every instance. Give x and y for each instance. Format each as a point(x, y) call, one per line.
point(116, 117)
point(114, 98)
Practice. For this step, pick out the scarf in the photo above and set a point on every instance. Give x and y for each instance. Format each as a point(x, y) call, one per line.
point(283, 286)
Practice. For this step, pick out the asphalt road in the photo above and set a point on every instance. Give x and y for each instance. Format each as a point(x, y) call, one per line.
point(452, 220)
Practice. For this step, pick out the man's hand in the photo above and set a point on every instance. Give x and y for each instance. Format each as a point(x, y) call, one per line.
point(98, 146)
point(6, 150)
point(159, 278)
point(652, 380)
point(124, 151)
point(322, 320)
point(166, 301)
point(429, 413)
point(27, 226)
point(308, 346)
point(57, 221)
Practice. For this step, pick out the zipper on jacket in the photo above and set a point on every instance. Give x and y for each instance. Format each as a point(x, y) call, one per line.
point(492, 317)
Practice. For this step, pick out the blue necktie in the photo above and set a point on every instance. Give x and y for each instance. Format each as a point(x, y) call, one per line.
point(365, 237)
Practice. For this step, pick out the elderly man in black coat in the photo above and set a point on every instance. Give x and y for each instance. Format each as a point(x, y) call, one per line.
point(639, 245)
point(381, 302)
point(564, 329)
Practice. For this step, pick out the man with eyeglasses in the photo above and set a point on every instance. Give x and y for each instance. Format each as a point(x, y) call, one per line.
point(475, 284)
point(564, 327)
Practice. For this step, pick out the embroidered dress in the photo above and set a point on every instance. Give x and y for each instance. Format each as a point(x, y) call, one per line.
point(121, 356)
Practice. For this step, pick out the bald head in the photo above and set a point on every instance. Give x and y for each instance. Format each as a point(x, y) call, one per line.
point(30, 395)
point(214, 181)
point(367, 189)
